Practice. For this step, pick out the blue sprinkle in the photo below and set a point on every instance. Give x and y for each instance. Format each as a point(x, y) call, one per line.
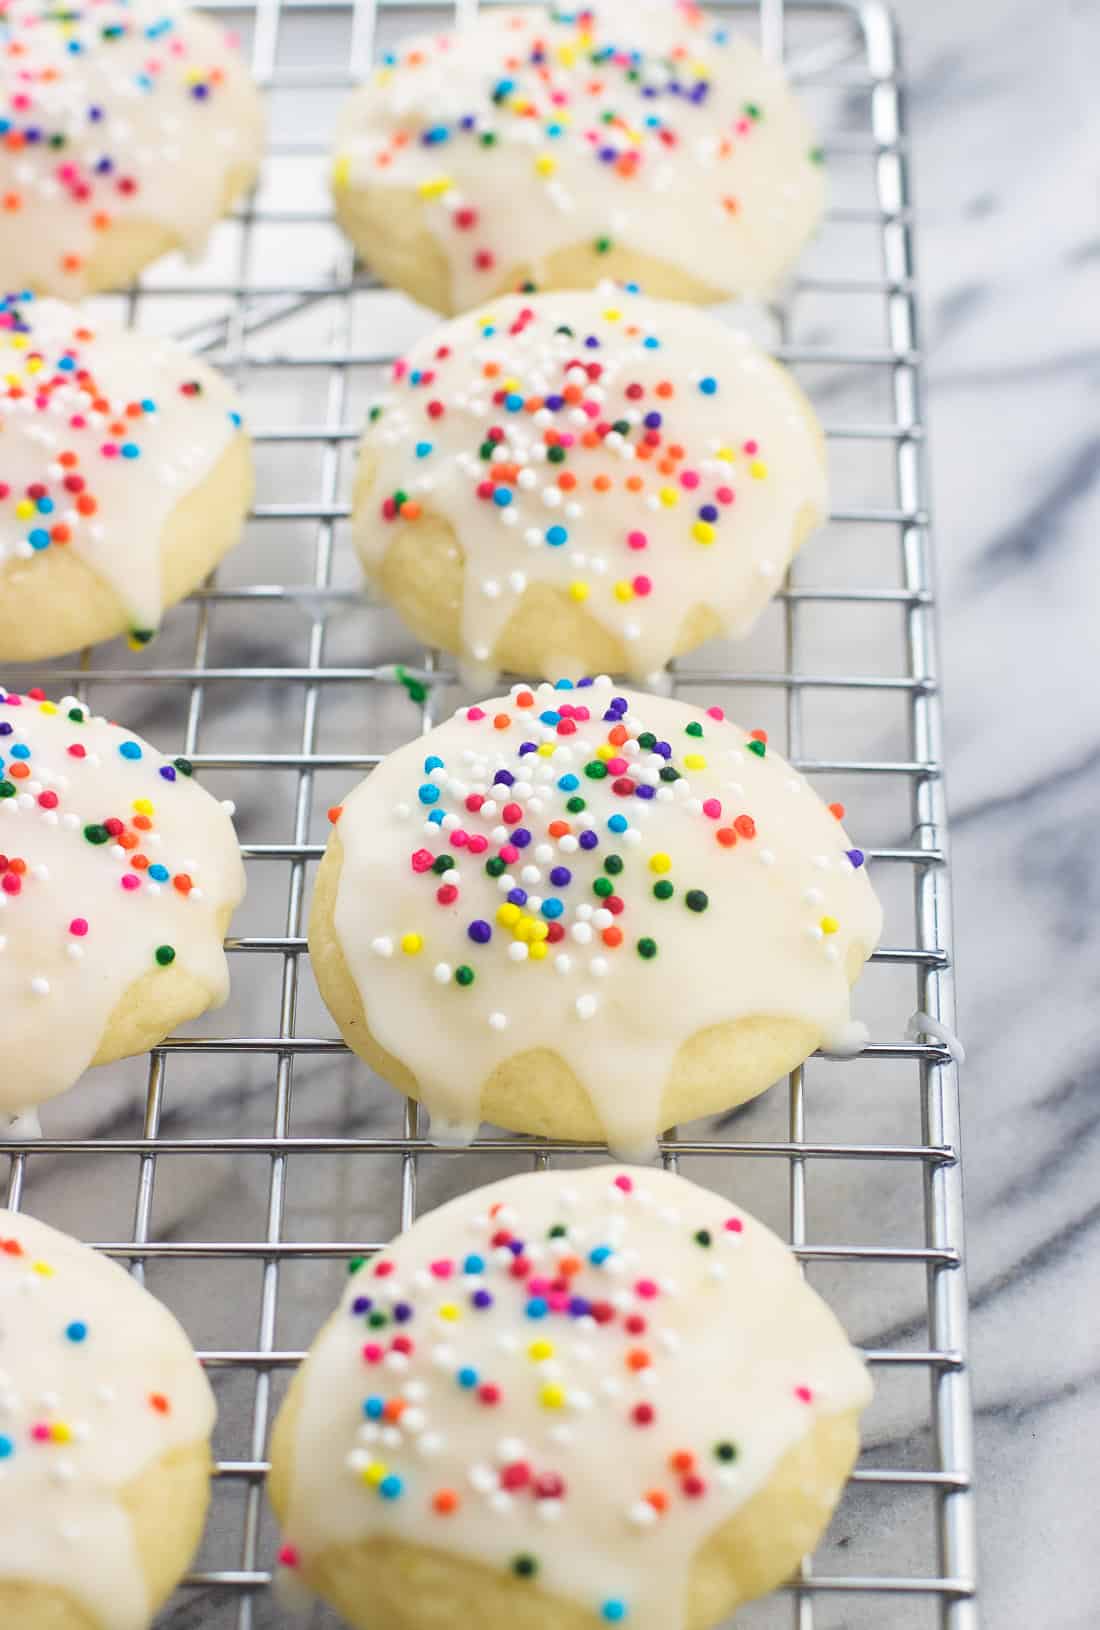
point(423, 448)
point(129, 749)
point(537, 1308)
point(599, 1256)
point(149, 406)
point(467, 1377)
point(556, 536)
point(67, 364)
point(76, 1331)
point(432, 762)
point(7, 1447)
point(391, 1487)
point(617, 823)
point(550, 717)
point(436, 816)
point(651, 343)
point(44, 506)
point(563, 684)
point(552, 908)
point(474, 1264)
point(568, 783)
point(513, 402)
point(613, 1610)
point(159, 873)
point(502, 497)
point(428, 793)
point(20, 750)
point(708, 386)
point(235, 419)
point(39, 538)
point(373, 1407)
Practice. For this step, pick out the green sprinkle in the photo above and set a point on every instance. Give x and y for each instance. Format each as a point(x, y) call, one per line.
point(464, 974)
point(754, 110)
point(663, 890)
point(443, 863)
point(165, 954)
point(556, 455)
point(669, 774)
point(524, 1566)
point(184, 766)
point(376, 413)
point(602, 246)
point(603, 886)
point(377, 1319)
point(696, 900)
point(355, 1264)
point(694, 728)
point(817, 155)
point(575, 805)
point(647, 740)
point(77, 715)
point(7, 789)
point(494, 867)
point(596, 771)
point(529, 287)
point(558, 1231)
point(140, 636)
point(758, 748)
point(94, 833)
point(486, 449)
point(647, 948)
point(703, 1237)
point(725, 1451)
point(418, 691)
point(488, 138)
point(613, 865)
point(400, 498)
point(564, 328)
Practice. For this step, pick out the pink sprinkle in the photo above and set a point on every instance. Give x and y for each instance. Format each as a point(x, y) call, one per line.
point(130, 880)
point(109, 449)
point(400, 368)
point(537, 1286)
point(642, 585)
point(474, 801)
point(47, 800)
point(40, 1432)
point(734, 1225)
point(11, 883)
point(79, 927)
point(716, 713)
point(557, 1301)
point(373, 1353)
point(752, 447)
point(76, 750)
point(616, 766)
point(743, 127)
point(288, 1556)
point(689, 479)
point(637, 540)
point(458, 838)
point(625, 1183)
point(804, 1395)
point(646, 1288)
point(421, 860)
point(725, 495)
point(442, 1269)
point(713, 808)
point(565, 439)
point(382, 1270)
point(477, 843)
point(475, 713)
point(509, 854)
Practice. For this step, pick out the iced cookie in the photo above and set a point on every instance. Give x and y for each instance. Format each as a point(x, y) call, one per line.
point(585, 483)
point(638, 141)
point(125, 476)
point(568, 1400)
point(129, 127)
point(585, 914)
point(118, 876)
point(105, 1422)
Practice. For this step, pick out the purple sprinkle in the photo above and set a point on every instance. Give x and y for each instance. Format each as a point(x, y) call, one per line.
point(515, 1246)
point(504, 778)
point(579, 1306)
point(6, 728)
point(592, 343)
point(588, 840)
point(168, 772)
point(611, 716)
point(856, 856)
point(644, 791)
point(583, 684)
point(517, 897)
point(607, 154)
point(528, 747)
point(555, 402)
point(709, 512)
point(620, 704)
point(521, 837)
point(653, 421)
point(361, 1304)
point(480, 932)
point(402, 1312)
point(467, 121)
point(663, 748)
point(560, 876)
point(482, 1298)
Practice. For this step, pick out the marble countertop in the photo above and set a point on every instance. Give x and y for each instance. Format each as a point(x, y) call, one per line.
point(1005, 180)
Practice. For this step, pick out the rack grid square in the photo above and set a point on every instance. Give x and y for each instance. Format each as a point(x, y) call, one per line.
point(239, 1166)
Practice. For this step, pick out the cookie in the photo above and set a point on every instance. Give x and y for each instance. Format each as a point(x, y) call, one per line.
point(568, 1400)
point(118, 876)
point(643, 142)
point(126, 476)
point(585, 483)
point(105, 1422)
point(129, 126)
point(586, 914)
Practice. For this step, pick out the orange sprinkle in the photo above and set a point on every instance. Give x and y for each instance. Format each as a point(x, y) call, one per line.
point(759, 735)
point(160, 1403)
point(657, 1498)
point(142, 822)
point(182, 883)
point(12, 202)
point(491, 369)
point(335, 813)
point(634, 483)
point(638, 1359)
point(682, 1460)
point(501, 721)
point(525, 699)
point(665, 388)
point(445, 1501)
point(570, 1265)
point(411, 510)
point(726, 836)
point(19, 772)
point(612, 936)
point(617, 736)
point(558, 829)
point(837, 810)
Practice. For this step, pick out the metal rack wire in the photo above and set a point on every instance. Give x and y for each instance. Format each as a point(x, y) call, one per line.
point(260, 1149)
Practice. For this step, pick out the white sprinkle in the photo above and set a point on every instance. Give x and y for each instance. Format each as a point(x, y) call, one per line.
point(498, 1021)
point(383, 946)
point(40, 986)
point(441, 973)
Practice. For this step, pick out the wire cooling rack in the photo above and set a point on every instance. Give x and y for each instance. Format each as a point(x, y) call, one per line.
point(238, 1167)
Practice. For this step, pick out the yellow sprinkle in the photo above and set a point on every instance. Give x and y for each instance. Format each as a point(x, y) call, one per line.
point(540, 929)
point(143, 806)
point(578, 591)
point(448, 1311)
point(538, 1350)
point(25, 509)
point(375, 1472)
point(613, 314)
point(829, 925)
point(60, 1433)
point(341, 170)
point(488, 321)
point(411, 944)
point(436, 187)
point(20, 342)
point(538, 951)
point(523, 930)
point(669, 497)
point(545, 164)
point(547, 749)
point(606, 751)
point(727, 454)
point(694, 761)
point(624, 590)
point(47, 707)
point(34, 365)
point(660, 862)
point(44, 1269)
point(552, 1396)
point(511, 384)
point(508, 914)
point(567, 56)
point(758, 469)
point(703, 532)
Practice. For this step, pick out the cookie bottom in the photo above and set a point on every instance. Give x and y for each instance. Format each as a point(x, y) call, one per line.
point(167, 1508)
point(389, 231)
point(535, 1091)
point(387, 1584)
point(56, 602)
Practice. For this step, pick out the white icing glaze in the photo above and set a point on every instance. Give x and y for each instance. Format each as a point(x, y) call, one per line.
point(116, 111)
point(107, 477)
point(60, 981)
point(97, 1383)
point(637, 535)
point(725, 194)
point(685, 1307)
point(785, 903)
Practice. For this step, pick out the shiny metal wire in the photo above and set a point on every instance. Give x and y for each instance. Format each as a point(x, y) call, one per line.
point(861, 56)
